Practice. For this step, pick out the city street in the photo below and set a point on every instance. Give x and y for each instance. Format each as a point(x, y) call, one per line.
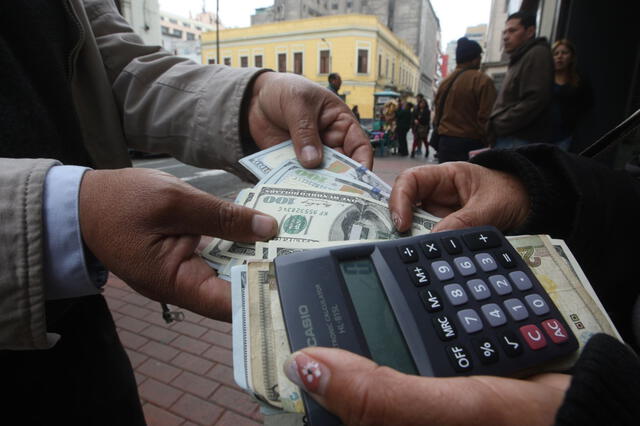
point(184, 370)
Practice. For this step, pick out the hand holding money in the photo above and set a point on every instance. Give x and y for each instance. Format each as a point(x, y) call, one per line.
point(287, 106)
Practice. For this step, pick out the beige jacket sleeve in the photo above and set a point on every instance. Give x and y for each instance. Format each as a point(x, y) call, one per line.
point(167, 103)
point(22, 298)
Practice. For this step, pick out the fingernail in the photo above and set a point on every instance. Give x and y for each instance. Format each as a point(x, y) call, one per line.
point(397, 221)
point(307, 373)
point(309, 154)
point(263, 226)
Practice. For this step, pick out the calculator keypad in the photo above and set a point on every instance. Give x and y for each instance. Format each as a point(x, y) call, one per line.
point(471, 284)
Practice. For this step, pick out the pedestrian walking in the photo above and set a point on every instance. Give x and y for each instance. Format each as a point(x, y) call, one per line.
point(356, 113)
point(421, 122)
point(403, 125)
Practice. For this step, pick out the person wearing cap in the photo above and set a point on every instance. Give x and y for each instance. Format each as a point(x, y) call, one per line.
point(522, 112)
point(463, 104)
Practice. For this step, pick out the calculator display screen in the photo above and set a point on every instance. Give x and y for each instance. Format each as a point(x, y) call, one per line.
point(378, 323)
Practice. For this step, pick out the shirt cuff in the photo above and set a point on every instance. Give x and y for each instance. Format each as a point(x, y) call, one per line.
point(70, 268)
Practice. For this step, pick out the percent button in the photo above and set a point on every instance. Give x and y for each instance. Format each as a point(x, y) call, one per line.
point(486, 350)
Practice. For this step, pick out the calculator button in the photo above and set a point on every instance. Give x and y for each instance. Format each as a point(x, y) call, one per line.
point(431, 300)
point(486, 350)
point(533, 336)
point(418, 275)
point(537, 304)
point(465, 266)
point(494, 314)
point(470, 320)
point(510, 343)
point(455, 294)
point(555, 331)
point(516, 309)
point(442, 270)
point(408, 254)
point(460, 358)
point(506, 259)
point(481, 240)
point(478, 289)
point(486, 262)
point(500, 284)
point(452, 245)
point(431, 249)
point(444, 327)
point(521, 280)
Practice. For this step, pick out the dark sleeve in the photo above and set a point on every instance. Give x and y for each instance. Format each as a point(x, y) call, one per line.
point(593, 208)
point(605, 387)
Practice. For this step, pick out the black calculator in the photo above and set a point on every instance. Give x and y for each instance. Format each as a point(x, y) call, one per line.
point(444, 304)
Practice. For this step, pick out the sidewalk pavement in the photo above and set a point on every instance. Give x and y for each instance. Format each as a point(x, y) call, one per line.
point(184, 370)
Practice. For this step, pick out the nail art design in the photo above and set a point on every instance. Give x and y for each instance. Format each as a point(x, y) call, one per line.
point(310, 372)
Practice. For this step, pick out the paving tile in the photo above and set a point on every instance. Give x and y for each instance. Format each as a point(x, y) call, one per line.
point(132, 324)
point(192, 316)
point(155, 317)
point(161, 334)
point(192, 363)
point(156, 416)
point(189, 328)
point(235, 400)
point(160, 351)
point(159, 393)
point(219, 354)
point(158, 370)
point(152, 305)
point(230, 418)
point(222, 326)
point(116, 293)
point(218, 338)
point(197, 410)
point(114, 303)
point(136, 299)
point(139, 378)
point(130, 340)
point(189, 344)
point(134, 311)
point(194, 384)
point(114, 281)
point(223, 374)
point(135, 357)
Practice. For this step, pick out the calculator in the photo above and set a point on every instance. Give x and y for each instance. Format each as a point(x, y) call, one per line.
point(452, 303)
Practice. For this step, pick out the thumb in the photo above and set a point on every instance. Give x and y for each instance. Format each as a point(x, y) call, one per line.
point(353, 387)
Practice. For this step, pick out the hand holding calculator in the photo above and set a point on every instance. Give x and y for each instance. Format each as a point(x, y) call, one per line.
point(445, 304)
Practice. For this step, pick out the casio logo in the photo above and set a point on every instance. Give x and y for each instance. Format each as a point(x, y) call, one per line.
point(305, 318)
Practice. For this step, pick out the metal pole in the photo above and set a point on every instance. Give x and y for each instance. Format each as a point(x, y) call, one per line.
point(217, 32)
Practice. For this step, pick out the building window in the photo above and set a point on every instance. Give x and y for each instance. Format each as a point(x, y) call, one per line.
point(244, 61)
point(165, 30)
point(227, 61)
point(186, 25)
point(363, 59)
point(177, 33)
point(386, 69)
point(379, 65)
point(198, 28)
point(324, 62)
point(297, 62)
point(282, 62)
point(173, 21)
point(191, 36)
point(212, 61)
point(257, 61)
point(393, 72)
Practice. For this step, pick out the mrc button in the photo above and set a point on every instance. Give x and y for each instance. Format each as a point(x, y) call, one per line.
point(444, 327)
point(460, 358)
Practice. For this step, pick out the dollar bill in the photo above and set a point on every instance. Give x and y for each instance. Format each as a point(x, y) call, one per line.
point(292, 174)
point(306, 215)
point(263, 162)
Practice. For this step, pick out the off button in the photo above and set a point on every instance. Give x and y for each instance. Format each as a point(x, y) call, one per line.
point(460, 358)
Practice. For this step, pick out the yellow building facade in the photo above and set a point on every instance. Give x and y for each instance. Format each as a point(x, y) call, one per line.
point(366, 54)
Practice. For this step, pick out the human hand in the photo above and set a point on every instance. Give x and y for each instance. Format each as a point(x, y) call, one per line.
point(287, 106)
point(144, 225)
point(463, 194)
point(363, 393)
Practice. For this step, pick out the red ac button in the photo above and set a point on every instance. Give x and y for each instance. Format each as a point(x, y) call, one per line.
point(555, 330)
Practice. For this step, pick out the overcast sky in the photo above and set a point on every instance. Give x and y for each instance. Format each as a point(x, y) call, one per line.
point(455, 15)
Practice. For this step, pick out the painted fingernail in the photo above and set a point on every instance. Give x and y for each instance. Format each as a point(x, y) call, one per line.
point(307, 373)
point(309, 154)
point(263, 226)
point(397, 221)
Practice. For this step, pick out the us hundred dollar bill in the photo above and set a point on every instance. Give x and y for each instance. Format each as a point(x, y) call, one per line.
point(263, 162)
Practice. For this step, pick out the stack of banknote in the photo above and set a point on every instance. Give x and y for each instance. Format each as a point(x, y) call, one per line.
point(341, 203)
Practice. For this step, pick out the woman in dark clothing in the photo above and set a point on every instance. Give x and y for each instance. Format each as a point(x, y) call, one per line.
point(421, 120)
point(571, 94)
point(403, 124)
